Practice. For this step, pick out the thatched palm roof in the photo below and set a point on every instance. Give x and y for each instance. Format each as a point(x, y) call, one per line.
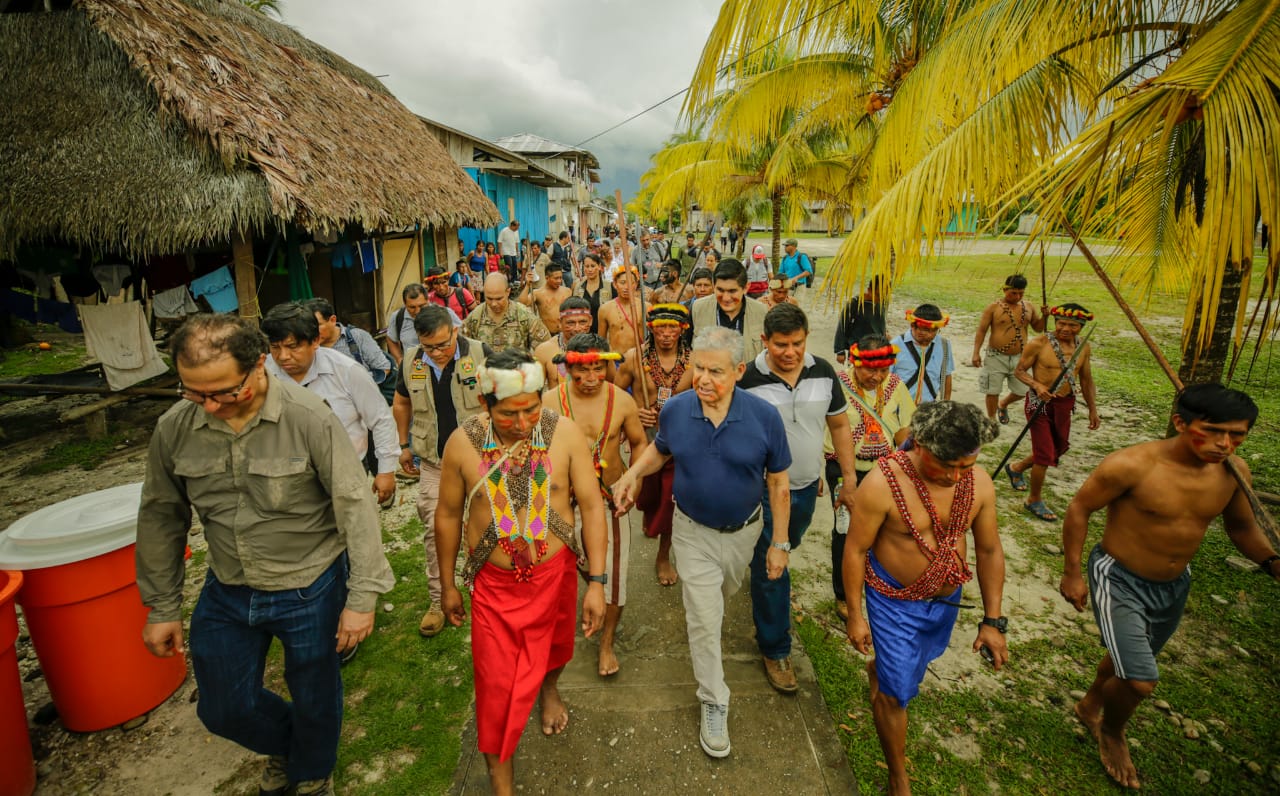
point(147, 126)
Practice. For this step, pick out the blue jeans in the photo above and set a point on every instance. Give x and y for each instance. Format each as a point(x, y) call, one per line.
point(231, 630)
point(771, 599)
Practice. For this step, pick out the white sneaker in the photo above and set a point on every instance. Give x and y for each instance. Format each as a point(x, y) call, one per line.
point(714, 730)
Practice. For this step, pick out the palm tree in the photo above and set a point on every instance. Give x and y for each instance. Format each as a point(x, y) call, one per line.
point(1164, 114)
point(747, 161)
point(267, 7)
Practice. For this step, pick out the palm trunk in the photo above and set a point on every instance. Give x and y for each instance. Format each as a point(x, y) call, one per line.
point(1209, 365)
point(775, 202)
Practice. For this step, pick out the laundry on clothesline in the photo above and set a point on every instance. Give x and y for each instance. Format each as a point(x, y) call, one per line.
point(117, 336)
point(174, 303)
point(218, 289)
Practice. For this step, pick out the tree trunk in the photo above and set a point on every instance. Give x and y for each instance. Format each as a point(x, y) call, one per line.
point(1209, 365)
point(775, 202)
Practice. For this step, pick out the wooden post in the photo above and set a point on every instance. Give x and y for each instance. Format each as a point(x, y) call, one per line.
point(511, 210)
point(1265, 521)
point(246, 276)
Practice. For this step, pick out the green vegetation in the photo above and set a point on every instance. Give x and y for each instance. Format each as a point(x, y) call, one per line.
point(407, 697)
point(66, 352)
point(1029, 742)
point(87, 454)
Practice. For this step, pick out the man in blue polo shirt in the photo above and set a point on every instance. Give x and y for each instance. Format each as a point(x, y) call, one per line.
point(728, 445)
point(806, 393)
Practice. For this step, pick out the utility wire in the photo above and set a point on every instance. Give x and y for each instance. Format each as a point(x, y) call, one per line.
point(721, 72)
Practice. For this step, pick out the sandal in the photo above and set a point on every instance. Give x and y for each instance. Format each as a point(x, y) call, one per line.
point(1016, 479)
point(1003, 414)
point(1041, 511)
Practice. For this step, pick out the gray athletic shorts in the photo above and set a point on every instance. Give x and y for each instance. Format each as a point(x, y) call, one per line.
point(1136, 616)
point(997, 371)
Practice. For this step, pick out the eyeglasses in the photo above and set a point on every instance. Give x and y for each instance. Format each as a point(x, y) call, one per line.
point(217, 396)
point(439, 348)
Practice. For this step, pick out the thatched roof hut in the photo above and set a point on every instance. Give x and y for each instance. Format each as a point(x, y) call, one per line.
point(148, 126)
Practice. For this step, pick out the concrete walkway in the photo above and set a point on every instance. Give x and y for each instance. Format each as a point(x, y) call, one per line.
point(637, 732)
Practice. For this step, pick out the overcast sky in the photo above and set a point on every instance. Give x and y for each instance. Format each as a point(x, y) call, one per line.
point(563, 69)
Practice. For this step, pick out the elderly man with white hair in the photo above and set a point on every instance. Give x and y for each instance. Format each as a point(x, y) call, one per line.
point(727, 445)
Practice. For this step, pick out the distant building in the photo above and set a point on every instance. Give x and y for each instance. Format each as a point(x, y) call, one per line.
point(515, 184)
point(571, 206)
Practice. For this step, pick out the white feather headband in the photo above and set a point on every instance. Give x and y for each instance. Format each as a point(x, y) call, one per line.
point(502, 383)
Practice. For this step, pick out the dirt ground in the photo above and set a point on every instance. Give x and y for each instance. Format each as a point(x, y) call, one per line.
point(171, 752)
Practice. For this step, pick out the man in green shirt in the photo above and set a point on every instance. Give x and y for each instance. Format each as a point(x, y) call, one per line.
point(295, 549)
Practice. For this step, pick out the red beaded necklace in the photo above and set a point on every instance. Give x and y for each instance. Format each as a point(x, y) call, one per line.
point(946, 567)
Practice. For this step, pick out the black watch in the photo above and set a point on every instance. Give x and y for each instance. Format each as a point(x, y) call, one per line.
point(602, 579)
point(999, 623)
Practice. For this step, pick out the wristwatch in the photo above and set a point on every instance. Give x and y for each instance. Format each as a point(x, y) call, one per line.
point(999, 623)
point(602, 579)
point(783, 546)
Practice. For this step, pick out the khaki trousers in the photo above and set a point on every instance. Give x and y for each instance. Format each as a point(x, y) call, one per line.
point(712, 567)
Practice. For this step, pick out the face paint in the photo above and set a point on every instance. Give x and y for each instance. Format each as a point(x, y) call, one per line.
point(588, 379)
point(942, 473)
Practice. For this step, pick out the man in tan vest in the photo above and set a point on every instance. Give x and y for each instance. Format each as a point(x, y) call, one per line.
point(730, 307)
point(435, 392)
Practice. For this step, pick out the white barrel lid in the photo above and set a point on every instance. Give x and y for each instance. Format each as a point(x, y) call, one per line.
point(73, 530)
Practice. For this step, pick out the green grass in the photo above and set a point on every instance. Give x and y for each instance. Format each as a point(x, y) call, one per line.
point(1029, 741)
point(407, 697)
point(1126, 374)
point(66, 352)
point(86, 454)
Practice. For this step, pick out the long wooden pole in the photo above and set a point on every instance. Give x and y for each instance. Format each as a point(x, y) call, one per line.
point(635, 320)
point(1264, 518)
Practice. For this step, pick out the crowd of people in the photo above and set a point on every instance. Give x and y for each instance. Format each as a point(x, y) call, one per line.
point(538, 394)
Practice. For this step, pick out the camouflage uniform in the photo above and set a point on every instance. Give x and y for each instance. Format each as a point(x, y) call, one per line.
point(519, 327)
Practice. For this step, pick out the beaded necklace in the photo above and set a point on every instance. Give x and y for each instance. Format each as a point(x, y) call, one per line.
point(1018, 324)
point(946, 567)
point(870, 441)
point(665, 380)
point(597, 446)
point(507, 495)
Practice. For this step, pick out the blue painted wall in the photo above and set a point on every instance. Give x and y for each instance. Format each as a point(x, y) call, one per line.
point(531, 208)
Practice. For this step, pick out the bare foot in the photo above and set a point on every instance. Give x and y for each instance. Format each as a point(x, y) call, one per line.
point(1114, 751)
point(555, 716)
point(608, 662)
point(666, 573)
point(1089, 716)
point(899, 786)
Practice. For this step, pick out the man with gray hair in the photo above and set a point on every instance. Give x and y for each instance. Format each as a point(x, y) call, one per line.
point(913, 565)
point(727, 445)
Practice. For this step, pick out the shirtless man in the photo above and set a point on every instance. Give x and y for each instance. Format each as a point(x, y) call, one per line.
point(605, 414)
point(664, 366)
point(1006, 320)
point(547, 299)
point(1160, 498)
point(671, 290)
point(617, 316)
point(1042, 361)
point(521, 566)
point(908, 527)
point(575, 318)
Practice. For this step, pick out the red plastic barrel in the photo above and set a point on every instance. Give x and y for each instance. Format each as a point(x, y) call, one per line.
point(17, 766)
point(85, 620)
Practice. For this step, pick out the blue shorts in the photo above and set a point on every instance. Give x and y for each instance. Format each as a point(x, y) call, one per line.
point(1135, 616)
point(908, 635)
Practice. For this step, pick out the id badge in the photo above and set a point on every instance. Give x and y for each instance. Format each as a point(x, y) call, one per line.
point(664, 393)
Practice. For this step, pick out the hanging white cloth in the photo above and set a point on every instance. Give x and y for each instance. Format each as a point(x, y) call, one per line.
point(118, 337)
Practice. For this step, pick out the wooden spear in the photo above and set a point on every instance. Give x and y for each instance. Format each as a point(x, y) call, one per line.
point(1264, 518)
point(635, 320)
